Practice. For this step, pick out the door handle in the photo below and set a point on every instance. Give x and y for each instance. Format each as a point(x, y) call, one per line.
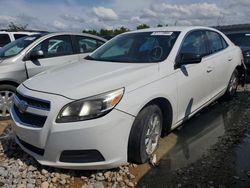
point(230, 59)
point(210, 69)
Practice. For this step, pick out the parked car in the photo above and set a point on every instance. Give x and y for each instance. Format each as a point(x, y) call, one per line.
point(7, 37)
point(242, 39)
point(113, 106)
point(31, 55)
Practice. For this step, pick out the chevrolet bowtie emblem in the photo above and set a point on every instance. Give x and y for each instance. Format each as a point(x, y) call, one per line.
point(22, 106)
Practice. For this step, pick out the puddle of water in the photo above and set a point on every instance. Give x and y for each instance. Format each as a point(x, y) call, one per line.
point(189, 142)
point(242, 163)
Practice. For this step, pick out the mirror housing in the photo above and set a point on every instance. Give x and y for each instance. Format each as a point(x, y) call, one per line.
point(188, 58)
point(36, 54)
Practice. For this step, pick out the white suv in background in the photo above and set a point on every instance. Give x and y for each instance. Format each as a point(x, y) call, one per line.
point(7, 37)
point(33, 54)
point(113, 106)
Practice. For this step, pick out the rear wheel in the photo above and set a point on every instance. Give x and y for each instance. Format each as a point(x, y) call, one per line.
point(6, 95)
point(145, 134)
point(232, 86)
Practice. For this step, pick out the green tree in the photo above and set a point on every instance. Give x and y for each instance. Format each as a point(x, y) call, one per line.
point(120, 30)
point(93, 32)
point(159, 25)
point(142, 26)
point(14, 27)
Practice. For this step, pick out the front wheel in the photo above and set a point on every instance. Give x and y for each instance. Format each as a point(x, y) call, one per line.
point(145, 134)
point(6, 95)
point(232, 86)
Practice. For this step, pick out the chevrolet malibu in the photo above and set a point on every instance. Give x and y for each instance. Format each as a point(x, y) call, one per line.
point(114, 106)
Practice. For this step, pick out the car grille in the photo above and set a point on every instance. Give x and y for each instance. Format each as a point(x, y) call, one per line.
point(33, 102)
point(29, 118)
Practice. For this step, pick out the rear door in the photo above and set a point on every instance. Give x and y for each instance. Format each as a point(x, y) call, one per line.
point(220, 58)
point(58, 50)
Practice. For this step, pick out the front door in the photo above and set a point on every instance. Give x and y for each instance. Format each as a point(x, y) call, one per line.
point(58, 50)
point(193, 80)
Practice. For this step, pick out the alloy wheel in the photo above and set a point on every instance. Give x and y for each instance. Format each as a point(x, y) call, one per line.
point(5, 103)
point(153, 133)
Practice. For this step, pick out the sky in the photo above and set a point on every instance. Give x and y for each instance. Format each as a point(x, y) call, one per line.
point(76, 15)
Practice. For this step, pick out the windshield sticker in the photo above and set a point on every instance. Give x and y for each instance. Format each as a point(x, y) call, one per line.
point(247, 34)
point(168, 33)
point(30, 38)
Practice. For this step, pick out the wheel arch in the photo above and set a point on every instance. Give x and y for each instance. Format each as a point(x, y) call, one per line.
point(167, 112)
point(8, 82)
point(242, 74)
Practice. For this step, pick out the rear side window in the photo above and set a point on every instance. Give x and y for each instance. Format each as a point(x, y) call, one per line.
point(216, 41)
point(87, 44)
point(56, 46)
point(195, 43)
point(4, 39)
point(18, 36)
point(240, 39)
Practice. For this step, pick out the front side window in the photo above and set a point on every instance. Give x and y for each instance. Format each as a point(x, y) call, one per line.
point(87, 44)
point(195, 43)
point(4, 39)
point(17, 46)
point(216, 42)
point(144, 47)
point(18, 36)
point(56, 46)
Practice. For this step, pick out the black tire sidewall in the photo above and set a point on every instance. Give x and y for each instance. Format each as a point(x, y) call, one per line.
point(136, 147)
point(230, 95)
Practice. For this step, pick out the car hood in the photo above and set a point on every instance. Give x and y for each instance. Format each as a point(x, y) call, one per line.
point(88, 78)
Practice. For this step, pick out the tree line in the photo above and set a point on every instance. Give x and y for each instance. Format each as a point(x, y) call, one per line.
point(102, 32)
point(114, 32)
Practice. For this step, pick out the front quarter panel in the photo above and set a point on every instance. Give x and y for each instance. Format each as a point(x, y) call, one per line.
point(12, 71)
point(134, 100)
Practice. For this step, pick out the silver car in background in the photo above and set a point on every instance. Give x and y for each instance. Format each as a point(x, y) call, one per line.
point(33, 54)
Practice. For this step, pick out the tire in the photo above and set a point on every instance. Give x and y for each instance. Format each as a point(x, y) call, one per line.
point(232, 86)
point(6, 94)
point(141, 134)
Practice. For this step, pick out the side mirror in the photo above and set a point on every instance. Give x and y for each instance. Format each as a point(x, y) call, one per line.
point(36, 54)
point(188, 58)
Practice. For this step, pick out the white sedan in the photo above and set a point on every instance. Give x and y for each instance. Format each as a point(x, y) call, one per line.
point(114, 106)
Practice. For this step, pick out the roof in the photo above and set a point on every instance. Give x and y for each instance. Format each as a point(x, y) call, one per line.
point(172, 28)
point(80, 34)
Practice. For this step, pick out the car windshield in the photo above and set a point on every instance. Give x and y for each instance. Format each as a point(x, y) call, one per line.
point(142, 47)
point(17, 46)
point(240, 39)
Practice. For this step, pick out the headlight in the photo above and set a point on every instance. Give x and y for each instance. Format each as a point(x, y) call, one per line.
point(90, 108)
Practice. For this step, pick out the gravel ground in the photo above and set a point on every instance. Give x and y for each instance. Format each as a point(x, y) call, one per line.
point(18, 169)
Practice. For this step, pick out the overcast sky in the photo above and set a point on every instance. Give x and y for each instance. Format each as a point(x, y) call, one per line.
point(76, 15)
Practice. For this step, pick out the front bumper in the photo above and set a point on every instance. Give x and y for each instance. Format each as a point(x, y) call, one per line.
point(108, 135)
